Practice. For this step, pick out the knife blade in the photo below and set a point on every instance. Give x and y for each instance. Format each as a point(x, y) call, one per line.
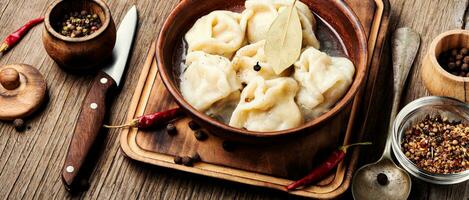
point(93, 109)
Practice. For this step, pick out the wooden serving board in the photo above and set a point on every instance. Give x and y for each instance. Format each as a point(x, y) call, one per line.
point(274, 165)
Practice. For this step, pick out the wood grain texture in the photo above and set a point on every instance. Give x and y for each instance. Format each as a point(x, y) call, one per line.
point(429, 19)
point(275, 165)
point(22, 91)
point(436, 79)
point(79, 53)
point(31, 162)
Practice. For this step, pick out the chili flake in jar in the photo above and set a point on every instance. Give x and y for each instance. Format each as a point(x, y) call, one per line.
point(438, 145)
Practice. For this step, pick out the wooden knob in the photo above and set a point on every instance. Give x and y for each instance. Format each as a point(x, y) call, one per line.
point(22, 90)
point(10, 78)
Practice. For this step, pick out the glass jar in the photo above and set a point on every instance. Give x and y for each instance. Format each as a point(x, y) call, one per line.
point(413, 113)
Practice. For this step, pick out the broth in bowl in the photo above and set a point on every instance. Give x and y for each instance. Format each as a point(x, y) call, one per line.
point(224, 71)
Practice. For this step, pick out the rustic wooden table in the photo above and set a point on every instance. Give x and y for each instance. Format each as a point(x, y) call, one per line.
point(30, 162)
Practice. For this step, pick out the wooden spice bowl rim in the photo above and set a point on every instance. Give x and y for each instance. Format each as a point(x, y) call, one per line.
point(432, 54)
point(105, 24)
point(360, 73)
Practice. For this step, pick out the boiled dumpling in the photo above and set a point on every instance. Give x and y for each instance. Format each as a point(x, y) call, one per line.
point(247, 57)
point(207, 79)
point(220, 33)
point(264, 13)
point(323, 81)
point(268, 105)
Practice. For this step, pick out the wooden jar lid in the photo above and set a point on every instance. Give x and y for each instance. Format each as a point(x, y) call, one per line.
point(22, 90)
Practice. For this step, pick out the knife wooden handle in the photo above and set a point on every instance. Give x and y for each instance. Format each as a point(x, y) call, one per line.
point(87, 128)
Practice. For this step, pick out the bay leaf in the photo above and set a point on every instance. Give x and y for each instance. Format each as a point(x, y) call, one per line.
point(283, 40)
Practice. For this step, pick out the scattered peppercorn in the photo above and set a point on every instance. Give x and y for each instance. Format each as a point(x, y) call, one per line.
point(187, 161)
point(455, 61)
point(178, 160)
point(382, 179)
point(19, 125)
point(196, 157)
point(257, 67)
point(171, 129)
point(200, 135)
point(228, 146)
point(193, 125)
point(79, 24)
point(438, 145)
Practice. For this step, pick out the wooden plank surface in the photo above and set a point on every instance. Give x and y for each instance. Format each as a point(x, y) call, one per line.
point(30, 162)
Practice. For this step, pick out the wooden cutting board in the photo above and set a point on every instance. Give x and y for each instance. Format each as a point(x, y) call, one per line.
point(274, 165)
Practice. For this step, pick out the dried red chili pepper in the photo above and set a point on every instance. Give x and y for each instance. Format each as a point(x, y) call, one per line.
point(332, 161)
point(16, 36)
point(151, 120)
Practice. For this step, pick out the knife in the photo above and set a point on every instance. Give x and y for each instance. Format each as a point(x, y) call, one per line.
point(93, 109)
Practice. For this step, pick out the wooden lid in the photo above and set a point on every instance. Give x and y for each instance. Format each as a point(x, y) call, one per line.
point(22, 90)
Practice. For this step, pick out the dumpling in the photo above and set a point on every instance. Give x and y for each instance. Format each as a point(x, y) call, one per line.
point(207, 79)
point(219, 33)
point(264, 13)
point(247, 57)
point(323, 81)
point(268, 105)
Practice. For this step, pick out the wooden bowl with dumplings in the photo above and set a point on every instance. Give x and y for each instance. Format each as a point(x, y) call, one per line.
point(336, 24)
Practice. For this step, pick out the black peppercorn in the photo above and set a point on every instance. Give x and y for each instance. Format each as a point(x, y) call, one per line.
point(257, 67)
point(196, 157)
point(454, 60)
point(464, 51)
point(171, 129)
point(452, 65)
point(19, 125)
point(178, 160)
point(187, 161)
point(454, 52)
point(228, 146)
point(200, 135)
point(465, 67)
point(382, 179)
point(193, 125)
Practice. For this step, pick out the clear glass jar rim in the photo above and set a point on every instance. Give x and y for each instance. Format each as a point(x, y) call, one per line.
point(409, 110)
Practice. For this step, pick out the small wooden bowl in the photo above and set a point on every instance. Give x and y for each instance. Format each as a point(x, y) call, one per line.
point(76, 54)
point(436, 79)
point(335, 13)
